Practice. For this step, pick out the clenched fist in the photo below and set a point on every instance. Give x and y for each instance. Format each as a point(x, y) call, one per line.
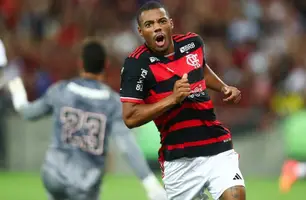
point(181, 89)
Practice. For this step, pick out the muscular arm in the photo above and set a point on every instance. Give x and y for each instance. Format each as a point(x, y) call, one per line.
point(212, 80)
point(135, 84)
point(135, 115)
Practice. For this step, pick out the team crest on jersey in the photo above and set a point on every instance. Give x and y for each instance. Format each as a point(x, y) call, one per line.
point(187, 47)
point(193, 60)
point(153, 59)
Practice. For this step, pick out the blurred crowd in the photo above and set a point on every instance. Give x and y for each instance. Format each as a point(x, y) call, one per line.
point(256, 45)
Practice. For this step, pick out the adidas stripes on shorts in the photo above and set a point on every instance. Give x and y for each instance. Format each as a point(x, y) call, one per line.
point(187, 178)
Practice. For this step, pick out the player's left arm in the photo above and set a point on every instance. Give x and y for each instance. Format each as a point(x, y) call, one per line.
point(28, 110)
point(214, 82)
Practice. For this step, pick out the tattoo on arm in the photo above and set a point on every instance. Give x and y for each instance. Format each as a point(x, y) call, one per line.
point(235, 192)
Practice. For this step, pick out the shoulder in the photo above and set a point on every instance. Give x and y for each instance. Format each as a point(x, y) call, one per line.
point(112, 93)
point(58, 86)
point(114, 100)
point(188, 38)
point(139, 59)
point(115, 97)
point(55, 90)
point(139, 52)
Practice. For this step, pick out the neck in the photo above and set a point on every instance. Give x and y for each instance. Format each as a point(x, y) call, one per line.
point(98, 77)
point(170, 50)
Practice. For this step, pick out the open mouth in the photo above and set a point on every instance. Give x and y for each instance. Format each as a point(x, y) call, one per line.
point(160, 40)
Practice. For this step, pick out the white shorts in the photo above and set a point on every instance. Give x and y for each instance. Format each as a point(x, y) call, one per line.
point(187, 178)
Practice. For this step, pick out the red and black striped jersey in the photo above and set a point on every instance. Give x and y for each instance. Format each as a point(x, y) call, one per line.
point(189, 129)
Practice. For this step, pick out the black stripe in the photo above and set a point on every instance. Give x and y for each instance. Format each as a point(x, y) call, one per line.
point(192, 152)
point(193, 134)
point(195, 98)
point(191, 114)
point(194, 76)
point(166, 85)
point(158, 126)
point(239, 177)
point(198, 97)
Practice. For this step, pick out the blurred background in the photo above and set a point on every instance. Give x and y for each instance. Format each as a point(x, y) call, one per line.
point(255, 45)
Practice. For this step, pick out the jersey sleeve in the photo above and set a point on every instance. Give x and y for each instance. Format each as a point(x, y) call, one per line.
point(35, 109)
point(134, 81)
point(40, 107)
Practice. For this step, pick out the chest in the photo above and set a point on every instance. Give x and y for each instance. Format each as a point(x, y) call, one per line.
point(168, 71)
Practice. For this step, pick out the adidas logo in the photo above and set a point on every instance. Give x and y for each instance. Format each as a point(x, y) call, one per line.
point(237, 177)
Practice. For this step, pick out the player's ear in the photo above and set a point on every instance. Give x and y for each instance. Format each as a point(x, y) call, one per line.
point(139, 31)
point(171, 23)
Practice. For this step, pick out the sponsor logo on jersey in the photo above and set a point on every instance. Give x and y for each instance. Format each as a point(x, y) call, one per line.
point(153, 59)
point(197, 92)
point(187, 47)
point(143, 75)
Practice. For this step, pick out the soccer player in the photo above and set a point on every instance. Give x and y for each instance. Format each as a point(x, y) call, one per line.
point(85, 113)
point(166, 80)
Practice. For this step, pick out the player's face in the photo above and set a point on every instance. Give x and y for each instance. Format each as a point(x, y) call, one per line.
point(156, 28)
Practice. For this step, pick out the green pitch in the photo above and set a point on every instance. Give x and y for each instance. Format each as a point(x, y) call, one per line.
point(24, 186)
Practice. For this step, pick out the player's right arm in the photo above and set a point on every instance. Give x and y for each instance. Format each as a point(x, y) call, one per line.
point(28, 110)
point(135, 86)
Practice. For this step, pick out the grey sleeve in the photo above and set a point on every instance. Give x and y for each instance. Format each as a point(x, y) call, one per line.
point(127, 145)
point(35, 109)
point(40, 107)
point(118, 126)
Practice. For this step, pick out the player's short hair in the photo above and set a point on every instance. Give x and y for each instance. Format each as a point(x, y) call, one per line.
point(150, 5)
point(93, 56)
